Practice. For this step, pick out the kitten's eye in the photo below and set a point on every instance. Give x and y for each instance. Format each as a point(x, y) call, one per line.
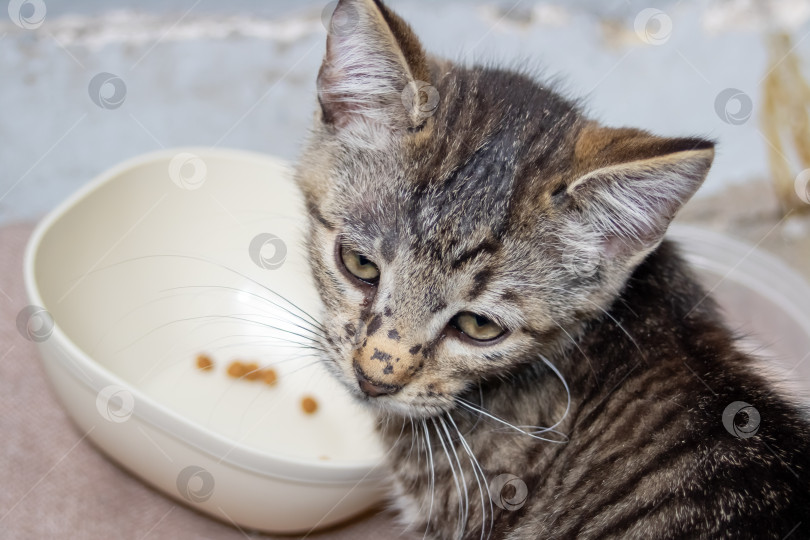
point(358, 265)
point(477, 327)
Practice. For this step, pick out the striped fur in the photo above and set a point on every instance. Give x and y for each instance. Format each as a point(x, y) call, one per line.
point(606, 398)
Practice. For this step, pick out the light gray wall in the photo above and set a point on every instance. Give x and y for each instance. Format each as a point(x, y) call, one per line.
point(241, 74)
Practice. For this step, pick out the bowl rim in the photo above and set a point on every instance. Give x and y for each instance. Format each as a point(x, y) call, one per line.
point(219, 447)
point(791, 292)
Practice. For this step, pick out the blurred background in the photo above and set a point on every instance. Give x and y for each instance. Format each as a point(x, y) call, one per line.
point(88, 83)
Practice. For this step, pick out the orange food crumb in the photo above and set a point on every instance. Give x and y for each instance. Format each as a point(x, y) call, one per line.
point(236, 369)
point(323, 458)
point(269, 376)
point(204, 363)
point(252, 371)
point(309, 405)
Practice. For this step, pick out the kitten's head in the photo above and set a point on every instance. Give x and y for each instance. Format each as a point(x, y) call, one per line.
point(464, 221)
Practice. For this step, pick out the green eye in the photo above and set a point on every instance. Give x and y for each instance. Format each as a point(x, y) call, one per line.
point(477, 327)
point(358, 265)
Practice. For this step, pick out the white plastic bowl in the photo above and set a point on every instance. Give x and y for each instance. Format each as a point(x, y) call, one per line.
point(136, 270)
point(762, 299)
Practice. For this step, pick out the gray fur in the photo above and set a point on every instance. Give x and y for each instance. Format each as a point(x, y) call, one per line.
point(508, 202)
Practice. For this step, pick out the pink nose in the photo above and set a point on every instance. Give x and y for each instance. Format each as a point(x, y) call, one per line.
point(371, 388)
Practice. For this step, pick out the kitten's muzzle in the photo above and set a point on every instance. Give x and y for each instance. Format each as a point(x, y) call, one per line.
point(384, 363)
point(373, 388)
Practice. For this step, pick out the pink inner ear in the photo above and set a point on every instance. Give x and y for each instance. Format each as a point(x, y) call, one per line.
point(366, 71)
point(631, 204)
point(634, 224)
point(620, 247)
point(338, 109)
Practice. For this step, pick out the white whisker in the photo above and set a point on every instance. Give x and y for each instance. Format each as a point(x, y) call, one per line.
point(208, 261)
point(576, 344)
point(523, 429)
point(236, 317)
point(455, 476)
point(315, 328)
point(476, 465)
point(466, 513)
point(429, 451)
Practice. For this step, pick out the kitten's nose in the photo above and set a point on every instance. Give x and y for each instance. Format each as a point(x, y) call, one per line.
point(372, 388)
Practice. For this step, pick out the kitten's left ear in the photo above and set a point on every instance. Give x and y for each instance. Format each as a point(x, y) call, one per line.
point(374, 70)
point(630, 184)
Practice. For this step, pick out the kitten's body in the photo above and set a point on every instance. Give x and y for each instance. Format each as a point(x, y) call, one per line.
point(648, 455)
point(503, 200)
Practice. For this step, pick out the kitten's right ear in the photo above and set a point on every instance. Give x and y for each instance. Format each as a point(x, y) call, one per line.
point(374, 70)
point(631, 184)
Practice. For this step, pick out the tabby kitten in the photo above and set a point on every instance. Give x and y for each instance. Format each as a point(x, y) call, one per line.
point(497, 288)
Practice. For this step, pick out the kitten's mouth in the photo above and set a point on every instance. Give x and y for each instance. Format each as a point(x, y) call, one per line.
point(396, 405)
point(392, 406)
